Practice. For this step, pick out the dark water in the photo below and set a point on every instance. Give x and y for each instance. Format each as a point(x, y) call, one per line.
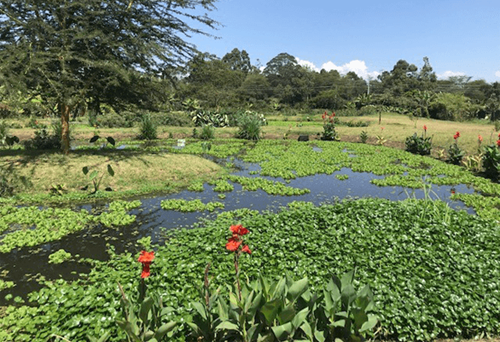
point(25, 265)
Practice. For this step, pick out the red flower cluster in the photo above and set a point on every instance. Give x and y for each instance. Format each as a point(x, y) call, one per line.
point(235, 241)
point(146, 258)
point(425, 128)
point(498, 142)
point(330, 117)
point(457, 135)
point(480, 138)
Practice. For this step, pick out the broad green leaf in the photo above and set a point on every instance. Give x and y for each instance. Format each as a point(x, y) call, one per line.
point(282, 331)
point(146, 305)
point(287, 314)
point(256, 304)
point(222, 309)
point(148, 335)
point(297, 289)
point(195, 328)
point(226, 325)
point(306, 328)
point(339, 323)
point(279, 290)
point(200, 308)
point(347, 279)
point(85, 170)
point(360, 318)
point(319, 335)
point(270, 310)
point(253, 331)
point(369, 324)
point(111, 140)
point(300, 318)
point(93, 174)
point(164, 329)
point(233, 301)
point(248, 301)
point(269, 337)
point(111, 171)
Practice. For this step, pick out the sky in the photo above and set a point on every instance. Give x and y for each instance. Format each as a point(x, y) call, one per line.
point(460, 37)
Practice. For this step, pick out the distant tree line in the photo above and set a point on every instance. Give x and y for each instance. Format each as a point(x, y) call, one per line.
point(232, 82)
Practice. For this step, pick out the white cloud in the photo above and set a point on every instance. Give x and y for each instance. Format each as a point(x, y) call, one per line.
point(359, 67)
point(497, 74)
point(307, 64)
point(447, 74)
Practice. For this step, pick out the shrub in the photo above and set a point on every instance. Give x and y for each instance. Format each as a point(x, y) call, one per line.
point(179, 119)
point(5, 138)
point(491, 161)
point(455, 154)
point(363, 136)
point(114, 120)
point(148, 128)
point(418, 145)
point(44, 140)
point(33, 123)
point(329, 133)
point(354, 123)
point(249, 126)
point(234, 118)
point(205, 117)
point(207, 132)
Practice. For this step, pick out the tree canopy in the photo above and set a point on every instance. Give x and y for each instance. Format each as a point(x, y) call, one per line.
point(74, 50)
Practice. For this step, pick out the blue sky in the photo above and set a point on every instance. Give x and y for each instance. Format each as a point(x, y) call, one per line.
point(460, 37)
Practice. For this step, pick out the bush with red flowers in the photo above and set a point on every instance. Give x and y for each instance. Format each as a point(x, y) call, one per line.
point(455, 153)
point(419, 145)
point(491, 160)
point(329, 132)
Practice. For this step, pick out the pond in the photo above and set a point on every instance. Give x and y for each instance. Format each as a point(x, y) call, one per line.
point(24, 266)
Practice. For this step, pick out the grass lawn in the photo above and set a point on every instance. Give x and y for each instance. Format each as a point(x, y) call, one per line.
point(135, 172)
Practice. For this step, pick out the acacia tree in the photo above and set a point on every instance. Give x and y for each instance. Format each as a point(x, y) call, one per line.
point(69, 50)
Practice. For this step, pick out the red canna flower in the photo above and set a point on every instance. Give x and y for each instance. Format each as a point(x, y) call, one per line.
point(425, 128)
point(146, 258)
point(498, 142)
point(457, 135)
point(324, 115)
point(233, 244)
point(239, 229)
point(480, 138)
point(333, 114)
point(145, 271)
point(245, 249)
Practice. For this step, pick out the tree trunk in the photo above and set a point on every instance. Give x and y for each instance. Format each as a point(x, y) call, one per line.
point(64, 109)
